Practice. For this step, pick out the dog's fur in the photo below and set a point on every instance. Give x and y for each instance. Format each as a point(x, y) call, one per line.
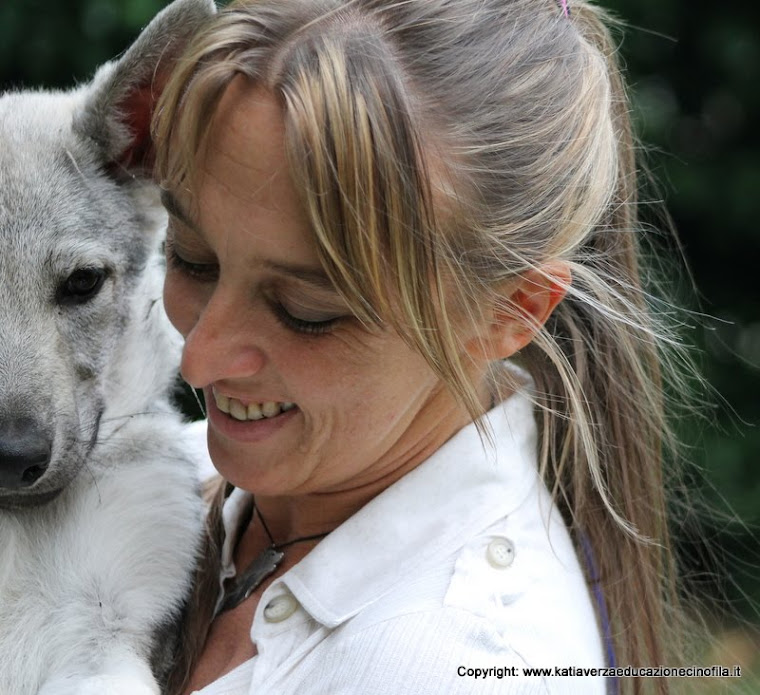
point(96, 554)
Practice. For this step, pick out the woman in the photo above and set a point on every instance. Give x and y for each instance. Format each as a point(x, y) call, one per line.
point(373, 205)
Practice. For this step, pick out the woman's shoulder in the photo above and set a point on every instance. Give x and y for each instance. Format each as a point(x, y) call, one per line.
point(512, 599)
point(517, 587)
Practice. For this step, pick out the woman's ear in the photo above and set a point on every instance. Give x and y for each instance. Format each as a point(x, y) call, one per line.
point(516, 317)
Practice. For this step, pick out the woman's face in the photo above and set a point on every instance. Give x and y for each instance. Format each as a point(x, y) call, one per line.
point(265, 331)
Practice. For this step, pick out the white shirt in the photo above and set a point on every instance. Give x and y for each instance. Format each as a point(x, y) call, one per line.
point(463, 563)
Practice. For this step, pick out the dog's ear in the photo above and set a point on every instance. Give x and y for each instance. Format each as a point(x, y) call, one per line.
point(118, 106)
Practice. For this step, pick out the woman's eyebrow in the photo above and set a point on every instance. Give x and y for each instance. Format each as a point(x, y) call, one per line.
point(310, 274)
point(175, 210)
point(305, 273)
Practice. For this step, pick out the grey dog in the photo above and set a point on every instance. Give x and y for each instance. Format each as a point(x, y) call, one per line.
point(100, 517)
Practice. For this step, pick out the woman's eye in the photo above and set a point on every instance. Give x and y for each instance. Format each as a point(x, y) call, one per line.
point(200, 271)
point(301, 325)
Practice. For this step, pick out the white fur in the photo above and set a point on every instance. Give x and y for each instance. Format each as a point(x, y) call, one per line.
point(97, 555)
point(88, 577)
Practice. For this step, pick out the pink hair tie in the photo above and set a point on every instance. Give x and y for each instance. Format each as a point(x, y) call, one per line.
point(565, 8)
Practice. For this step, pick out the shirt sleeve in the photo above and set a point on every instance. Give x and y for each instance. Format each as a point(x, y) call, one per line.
point(434, 653)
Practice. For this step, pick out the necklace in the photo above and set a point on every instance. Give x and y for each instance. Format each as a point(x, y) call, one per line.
point(263, 565)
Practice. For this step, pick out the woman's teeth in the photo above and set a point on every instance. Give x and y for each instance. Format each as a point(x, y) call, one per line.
point(254, 411)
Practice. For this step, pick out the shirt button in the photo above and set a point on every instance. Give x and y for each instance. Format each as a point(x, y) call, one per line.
point(280, 608)
point(500, 553)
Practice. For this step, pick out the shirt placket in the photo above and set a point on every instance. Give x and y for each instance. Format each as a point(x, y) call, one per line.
point(280, 631)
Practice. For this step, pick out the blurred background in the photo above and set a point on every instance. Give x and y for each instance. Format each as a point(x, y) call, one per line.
point(694, 70)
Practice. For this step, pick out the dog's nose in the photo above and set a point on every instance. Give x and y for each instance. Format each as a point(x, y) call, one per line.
point(25, 452)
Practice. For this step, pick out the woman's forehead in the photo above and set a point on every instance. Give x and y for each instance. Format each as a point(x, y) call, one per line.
point(242, 193)
point(247, 135)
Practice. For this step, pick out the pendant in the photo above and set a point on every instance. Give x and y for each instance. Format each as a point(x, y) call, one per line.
point(245, 584)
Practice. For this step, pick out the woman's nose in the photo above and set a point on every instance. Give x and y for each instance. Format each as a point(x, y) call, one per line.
point(221, 345)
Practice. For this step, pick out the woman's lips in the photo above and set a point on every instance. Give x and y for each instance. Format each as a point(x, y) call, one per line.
point(247, 422)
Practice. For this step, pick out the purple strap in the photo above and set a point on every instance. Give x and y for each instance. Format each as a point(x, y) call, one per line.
point(565, 8)
point(613, 685)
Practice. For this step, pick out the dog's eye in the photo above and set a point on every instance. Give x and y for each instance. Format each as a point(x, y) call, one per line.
point(81, 286)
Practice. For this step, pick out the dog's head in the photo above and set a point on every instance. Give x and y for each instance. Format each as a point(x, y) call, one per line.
point(83, 338)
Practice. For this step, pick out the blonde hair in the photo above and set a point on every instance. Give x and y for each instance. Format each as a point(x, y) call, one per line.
point(442, 148)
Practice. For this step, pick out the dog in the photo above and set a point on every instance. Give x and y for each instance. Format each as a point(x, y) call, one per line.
point(100, 513)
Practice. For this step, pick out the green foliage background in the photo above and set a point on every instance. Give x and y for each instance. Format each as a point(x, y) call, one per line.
point(694, 69)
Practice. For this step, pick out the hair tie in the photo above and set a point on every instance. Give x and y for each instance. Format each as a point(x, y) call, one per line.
point(565, 8)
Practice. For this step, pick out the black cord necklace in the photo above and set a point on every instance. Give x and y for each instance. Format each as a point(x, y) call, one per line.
point(263, 565)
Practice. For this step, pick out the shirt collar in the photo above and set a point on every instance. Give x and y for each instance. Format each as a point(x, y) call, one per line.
point(431, 512)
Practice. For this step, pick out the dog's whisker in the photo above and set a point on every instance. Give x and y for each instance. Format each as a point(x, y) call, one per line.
point(74, 163)
point(152, 305)
point(198, 401)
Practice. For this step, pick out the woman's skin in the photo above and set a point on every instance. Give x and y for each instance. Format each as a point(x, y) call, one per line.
point(262, 324)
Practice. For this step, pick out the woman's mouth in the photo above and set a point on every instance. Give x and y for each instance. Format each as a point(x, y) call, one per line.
point(253, 411)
